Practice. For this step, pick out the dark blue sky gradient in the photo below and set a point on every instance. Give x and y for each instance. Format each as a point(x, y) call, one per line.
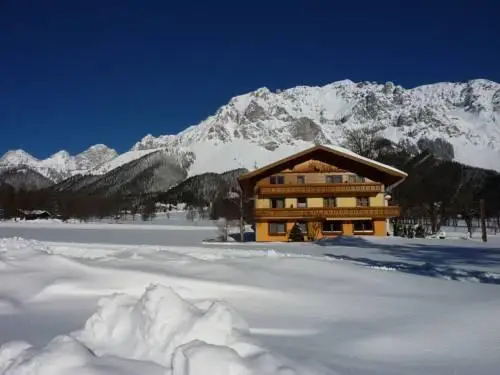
point(76, 73)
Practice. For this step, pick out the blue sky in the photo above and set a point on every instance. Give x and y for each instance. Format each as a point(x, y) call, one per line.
point(76, 73)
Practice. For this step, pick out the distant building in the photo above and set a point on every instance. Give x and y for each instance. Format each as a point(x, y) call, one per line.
point(34, 214)
point(325, 191)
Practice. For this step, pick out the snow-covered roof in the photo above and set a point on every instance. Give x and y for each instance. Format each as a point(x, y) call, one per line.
point(353, 155)
point(394, 173)
point(34, 212)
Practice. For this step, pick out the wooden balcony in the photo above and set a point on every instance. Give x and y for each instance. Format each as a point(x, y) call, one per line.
point(312, 190)
point(334, 212)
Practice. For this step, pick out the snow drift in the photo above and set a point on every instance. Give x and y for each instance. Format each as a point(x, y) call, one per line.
point(158, 332)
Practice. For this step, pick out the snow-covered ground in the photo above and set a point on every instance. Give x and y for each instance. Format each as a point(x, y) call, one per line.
point(188, 307)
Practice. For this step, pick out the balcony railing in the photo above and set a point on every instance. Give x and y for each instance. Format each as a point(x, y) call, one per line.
point(320, 189)
point(335, 212)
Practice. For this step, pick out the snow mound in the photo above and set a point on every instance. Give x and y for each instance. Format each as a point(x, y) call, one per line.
point(161, 333)
point(20, 248)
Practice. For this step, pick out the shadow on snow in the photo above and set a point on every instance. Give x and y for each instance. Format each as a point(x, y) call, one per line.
point(435, 259)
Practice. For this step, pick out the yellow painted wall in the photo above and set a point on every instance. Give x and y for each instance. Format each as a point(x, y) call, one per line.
point(379, 227)
point(348, 228)
point(261, 232)
point(346, 201)
point(314, 202)
point(262, 235)
point(378, 200)
point(262, 203)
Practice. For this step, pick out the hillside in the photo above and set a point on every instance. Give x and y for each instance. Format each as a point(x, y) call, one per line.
point(153, 172)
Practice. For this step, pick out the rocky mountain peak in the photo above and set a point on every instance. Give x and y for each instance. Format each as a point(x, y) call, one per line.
point(94, 156)
point(464, 113)
point(17, 157)
point(61, 164)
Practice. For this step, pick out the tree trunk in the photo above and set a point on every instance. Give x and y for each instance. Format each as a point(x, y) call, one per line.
point(483, 220)
point(242, 223)
point(433, 215)
point(468, 222)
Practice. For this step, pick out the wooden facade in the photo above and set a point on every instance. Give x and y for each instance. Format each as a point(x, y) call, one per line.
point(319, 189)
point(324, 192)
point(314, 213)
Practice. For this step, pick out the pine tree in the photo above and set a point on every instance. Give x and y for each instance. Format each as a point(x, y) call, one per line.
point(296, 234)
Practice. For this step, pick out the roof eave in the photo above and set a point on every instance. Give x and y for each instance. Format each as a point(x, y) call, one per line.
point(389, 171)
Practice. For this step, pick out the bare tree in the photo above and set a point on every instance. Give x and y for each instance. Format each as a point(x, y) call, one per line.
point(366, 141)
point(439, 147)
point(313, 230)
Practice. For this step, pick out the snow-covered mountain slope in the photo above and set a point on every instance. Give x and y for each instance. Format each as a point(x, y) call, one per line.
point(61, 165)
point(120, 160)
point(263, 126)
point(23, 178)
point(206, 187)
point(154, 171)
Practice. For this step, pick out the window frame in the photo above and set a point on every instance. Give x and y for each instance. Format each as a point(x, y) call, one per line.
point(305, 199)
point(277, 233)
point(301, 178)
point(272, 200)
point(336, 222)
point(277, 180)
point(333, 177)
point(325, 199)
point(354, 230)
point(355, 179)
point(363, 197)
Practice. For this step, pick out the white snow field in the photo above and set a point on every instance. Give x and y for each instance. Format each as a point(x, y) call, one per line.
point(98, 300)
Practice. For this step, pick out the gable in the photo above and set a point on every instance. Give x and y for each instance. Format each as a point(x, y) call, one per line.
point(333, 156)
point(311, 166)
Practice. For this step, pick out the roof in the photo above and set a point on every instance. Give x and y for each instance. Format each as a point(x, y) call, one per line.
point(34, 212)
point(341, 157)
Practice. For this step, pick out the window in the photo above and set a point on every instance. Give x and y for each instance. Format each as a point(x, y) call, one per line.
point(302, 202)
point(277, 228)
point(301, 180)
point(363, 226)
point(333, 179)
point(332, 226)
point(329, 202)
point(355, 179)
point(362, 201)
point(277, 180)
point(277, 203)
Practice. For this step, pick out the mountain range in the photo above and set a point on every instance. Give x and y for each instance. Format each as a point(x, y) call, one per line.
point(60, 165)
point(262, 126)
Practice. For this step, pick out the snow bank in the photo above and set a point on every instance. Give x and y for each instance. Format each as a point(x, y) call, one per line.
point(102, 225)
point(159, 330)
point(20, 248)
